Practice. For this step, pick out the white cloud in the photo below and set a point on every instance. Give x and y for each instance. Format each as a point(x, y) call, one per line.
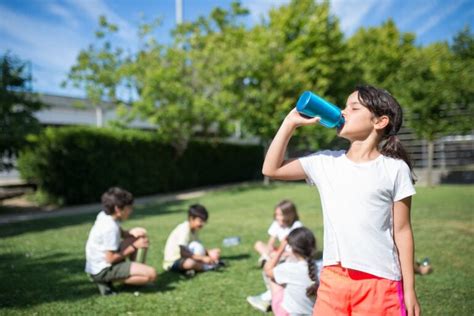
point(259, 9)
point(51, 49)
point(63, 13)
point(442, 13)
point(41, 41)
point(94, 9)
point(351, 13)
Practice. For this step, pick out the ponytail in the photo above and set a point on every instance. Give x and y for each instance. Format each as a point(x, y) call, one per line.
point(313, 275)
point(394, 148)
point(380, 102)
point(303, 243)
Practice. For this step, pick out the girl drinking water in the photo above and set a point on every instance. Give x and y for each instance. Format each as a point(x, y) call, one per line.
point(366, 200)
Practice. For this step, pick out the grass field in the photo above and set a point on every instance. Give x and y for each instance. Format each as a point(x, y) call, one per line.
point(41, 262)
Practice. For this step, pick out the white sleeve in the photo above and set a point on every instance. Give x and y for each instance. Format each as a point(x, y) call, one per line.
point(273, 230)
point(282, 273)
point(313, 164)
point(403, 183)
point(308, 163)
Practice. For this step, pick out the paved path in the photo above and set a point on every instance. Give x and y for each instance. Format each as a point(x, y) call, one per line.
point(95, 207)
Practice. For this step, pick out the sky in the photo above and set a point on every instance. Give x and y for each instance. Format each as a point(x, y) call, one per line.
point(50, 33)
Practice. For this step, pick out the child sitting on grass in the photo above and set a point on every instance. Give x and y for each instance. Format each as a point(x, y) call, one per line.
point(285, 219)
point(183, 251)
point(109, 245)
point(295, 281)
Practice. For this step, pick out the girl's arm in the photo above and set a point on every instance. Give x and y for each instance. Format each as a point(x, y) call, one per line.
point(403, 236)
point(274, 165)
point(271, 243)
point(270, 264)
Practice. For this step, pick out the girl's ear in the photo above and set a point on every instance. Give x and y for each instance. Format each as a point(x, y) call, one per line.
point(117, 210)
point(381, 122)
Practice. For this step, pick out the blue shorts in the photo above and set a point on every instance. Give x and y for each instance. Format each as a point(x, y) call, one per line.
point(177, 266)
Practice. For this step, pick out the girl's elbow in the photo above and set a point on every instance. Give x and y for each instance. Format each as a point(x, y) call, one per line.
point(267, 173)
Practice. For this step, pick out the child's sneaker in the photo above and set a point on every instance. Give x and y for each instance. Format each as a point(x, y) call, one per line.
point(105, 289)
point(190, 273)
point(258, 303)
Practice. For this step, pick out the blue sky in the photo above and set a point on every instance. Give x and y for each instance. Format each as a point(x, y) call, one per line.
point(50, 33)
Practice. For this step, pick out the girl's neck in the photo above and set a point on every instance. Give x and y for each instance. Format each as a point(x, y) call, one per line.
point(362, 151)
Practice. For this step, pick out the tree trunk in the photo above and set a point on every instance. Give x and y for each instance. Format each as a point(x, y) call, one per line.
point(266, 144)
point(429, 168)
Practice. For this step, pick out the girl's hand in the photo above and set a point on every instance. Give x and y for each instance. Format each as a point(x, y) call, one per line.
point(411, 304)
point(295, 119)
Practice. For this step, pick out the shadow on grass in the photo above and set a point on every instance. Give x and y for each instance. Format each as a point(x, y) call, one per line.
point(32, 280)
point(242, 256)
point(39, 225)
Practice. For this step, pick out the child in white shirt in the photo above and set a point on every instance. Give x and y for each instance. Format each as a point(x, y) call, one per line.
point(285, 220)
point(109, 245)
point(295, 281)
point(366, 200)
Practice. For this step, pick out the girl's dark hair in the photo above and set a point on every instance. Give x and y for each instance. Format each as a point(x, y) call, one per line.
point(116, 196)
point(303, 243)
point(380, 102)
point(288, 209)
point(197, 210)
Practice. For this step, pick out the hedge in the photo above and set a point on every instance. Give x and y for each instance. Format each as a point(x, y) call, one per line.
point(77, 164)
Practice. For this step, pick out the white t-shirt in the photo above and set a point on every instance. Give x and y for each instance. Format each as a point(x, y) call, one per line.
point(104, 236)
point(294, 275)
point(280, 232)
point(180, 236)
point(357, 201)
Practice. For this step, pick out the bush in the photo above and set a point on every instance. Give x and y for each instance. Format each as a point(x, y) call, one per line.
point(77, 164)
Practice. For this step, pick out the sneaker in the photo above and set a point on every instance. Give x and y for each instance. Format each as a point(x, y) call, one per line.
point(190, 273)
point(106, 289)
point(258, 303)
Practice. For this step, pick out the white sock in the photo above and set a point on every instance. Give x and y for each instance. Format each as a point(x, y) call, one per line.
point(266, 296)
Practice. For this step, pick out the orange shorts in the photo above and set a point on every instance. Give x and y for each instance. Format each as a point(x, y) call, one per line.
point(351, 292)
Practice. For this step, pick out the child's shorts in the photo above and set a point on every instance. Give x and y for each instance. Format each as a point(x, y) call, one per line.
point(117, 271)
point(350, 292)
point(177, 266)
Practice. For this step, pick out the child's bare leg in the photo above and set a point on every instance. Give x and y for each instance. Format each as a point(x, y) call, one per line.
point(191, 264)
point(140, 274)
point(262, 248)
point(138, 232)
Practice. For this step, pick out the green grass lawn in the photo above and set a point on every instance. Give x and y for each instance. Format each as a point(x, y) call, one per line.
point(41, 262)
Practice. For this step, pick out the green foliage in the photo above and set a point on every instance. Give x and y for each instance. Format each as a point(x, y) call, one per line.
point(300, 48)
point(435, 83)
point(43, 260)
point(184, 88)
point(377, 54)
point(16, 108)
point(97, 68)
point(78, 164)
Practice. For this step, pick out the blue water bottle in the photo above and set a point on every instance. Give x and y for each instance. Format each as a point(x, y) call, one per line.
point(312, 105)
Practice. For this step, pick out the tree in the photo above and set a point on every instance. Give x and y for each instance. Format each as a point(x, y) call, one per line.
point(97, 69)
point(17, 105)
point(184, 88)
point(378, 53)
point(299, 48)
point(435, 83)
